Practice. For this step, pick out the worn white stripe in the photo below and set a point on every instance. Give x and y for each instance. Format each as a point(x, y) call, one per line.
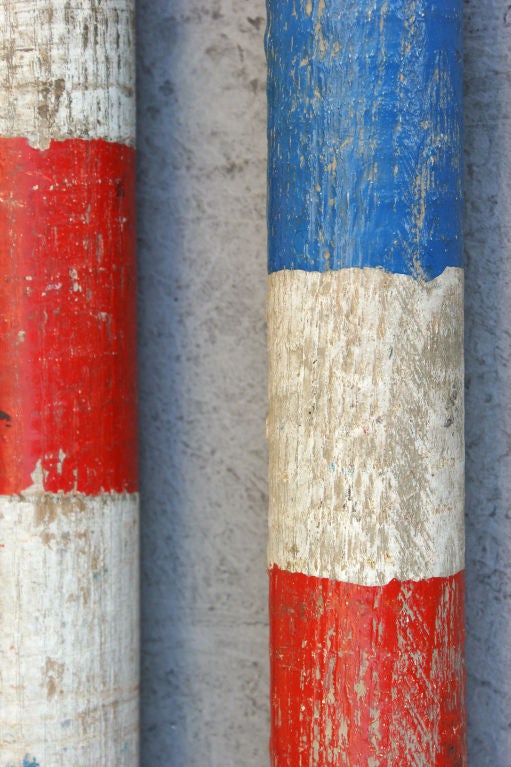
point(67, 70)
point(365, 424)
point(69, 642)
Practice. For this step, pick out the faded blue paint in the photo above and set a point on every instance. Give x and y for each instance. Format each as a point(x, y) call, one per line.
point(365, 122)
point(29, 761)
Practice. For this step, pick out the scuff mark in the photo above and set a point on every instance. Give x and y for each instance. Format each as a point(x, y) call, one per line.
point(38, 477)
point(60, 461)
point(54, 672)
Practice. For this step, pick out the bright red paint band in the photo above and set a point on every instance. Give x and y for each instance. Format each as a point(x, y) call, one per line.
point(367, 676)
point(67, 312)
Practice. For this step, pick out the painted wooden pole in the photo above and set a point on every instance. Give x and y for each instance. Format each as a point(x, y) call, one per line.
point(365, 315)
point(68, 453)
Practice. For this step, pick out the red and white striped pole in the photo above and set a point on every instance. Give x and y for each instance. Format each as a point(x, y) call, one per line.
point(365, 426)
point(68, 435)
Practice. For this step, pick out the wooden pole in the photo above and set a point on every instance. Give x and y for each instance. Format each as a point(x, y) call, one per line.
point(68, 445)
point(365, 427)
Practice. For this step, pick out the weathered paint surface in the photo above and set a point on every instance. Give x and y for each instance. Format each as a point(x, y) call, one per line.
point(69, 628)
point(365, 424)
point(68, 454)
point(67, 292)
point(67, 70)
point(364, 134)
point(367, 675)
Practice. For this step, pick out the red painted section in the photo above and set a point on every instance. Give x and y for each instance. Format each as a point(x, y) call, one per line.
point(68, 322)
point(367, 676)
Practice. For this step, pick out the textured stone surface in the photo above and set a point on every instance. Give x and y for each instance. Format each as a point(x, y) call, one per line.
point(203, 383)
point(201, 193)
point(488, 377)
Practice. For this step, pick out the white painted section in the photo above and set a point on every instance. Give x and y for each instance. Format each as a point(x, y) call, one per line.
point(67, 70)
point(69, 635)
point(365, 424)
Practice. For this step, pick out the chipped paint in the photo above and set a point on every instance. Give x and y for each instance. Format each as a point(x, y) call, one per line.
point(365, 424)
point(76, 231)
point(367, 675)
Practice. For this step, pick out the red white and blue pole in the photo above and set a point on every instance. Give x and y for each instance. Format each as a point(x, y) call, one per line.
point(365, 427)
point(68, 445)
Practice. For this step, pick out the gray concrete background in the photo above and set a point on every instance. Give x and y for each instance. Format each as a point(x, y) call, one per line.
point(488, 377)
point(202, 252)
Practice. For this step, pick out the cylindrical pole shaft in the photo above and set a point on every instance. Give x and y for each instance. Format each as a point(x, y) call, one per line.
point(365, 427)
point(68, 453)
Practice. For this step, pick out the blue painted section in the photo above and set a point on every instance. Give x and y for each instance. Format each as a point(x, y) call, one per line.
point(30, 762)
point(365, 124)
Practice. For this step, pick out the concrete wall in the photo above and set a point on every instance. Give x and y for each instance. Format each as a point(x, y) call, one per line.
point(202, 187)
point(488, 377)
point(202, 249)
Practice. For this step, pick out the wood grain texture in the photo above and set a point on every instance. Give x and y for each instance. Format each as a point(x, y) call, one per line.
point(365, 424)
point(67, 70)
point(69, 630)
